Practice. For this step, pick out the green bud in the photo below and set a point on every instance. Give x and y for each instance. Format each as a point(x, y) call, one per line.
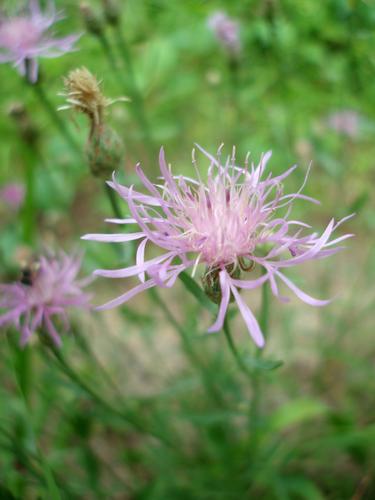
point(111, 12)
point(104, 151)
point(92, 20)
point(26, 127)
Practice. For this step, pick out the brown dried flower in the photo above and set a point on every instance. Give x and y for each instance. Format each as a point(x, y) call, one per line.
point(83, 94)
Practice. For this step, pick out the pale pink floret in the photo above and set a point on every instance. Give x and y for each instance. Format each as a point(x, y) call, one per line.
point(226, 31)
point(346, 122)
point(53, 288)
point(13, 195)
point(234, 216)
point(27, 36)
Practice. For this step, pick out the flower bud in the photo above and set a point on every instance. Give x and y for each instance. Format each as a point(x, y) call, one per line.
point(26, 128)
point(104, 152)
point(111, 12)
point(92, 20)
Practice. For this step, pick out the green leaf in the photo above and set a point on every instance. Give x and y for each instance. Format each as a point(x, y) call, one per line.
point(296, 412)
point(301, 487)
point(213, 417)
point(52, 488)
point(262, 364)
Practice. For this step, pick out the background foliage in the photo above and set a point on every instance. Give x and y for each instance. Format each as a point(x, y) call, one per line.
point(171, 415)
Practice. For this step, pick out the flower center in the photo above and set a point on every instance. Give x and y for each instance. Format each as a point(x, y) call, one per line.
point(221, 224)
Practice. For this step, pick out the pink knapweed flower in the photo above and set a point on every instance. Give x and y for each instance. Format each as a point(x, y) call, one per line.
point(45, 291)
point(27, 36)
point(231, 224)
point(345, 122)
point(226, 31)
point(12, 195)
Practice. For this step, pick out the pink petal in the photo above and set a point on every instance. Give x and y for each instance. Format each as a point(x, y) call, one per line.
point(52, 331)
point(300, 294)
point(113, 238)
point(250, 284)
point(249, 318)
point(140, 258)
point(127, 296)
point(132, 270)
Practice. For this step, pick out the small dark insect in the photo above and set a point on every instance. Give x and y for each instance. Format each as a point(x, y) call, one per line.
point(28, 272)
point(26, 276)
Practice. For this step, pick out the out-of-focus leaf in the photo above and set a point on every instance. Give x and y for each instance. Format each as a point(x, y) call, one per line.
point(214, 417)
point(262, 364)
point(296, 412)
point(302, 488)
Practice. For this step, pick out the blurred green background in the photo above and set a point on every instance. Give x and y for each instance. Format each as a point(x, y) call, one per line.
point(306, 70)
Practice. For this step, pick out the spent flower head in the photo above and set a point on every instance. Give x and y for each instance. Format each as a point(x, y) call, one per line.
point(83, 94)
point(27, 36)
point(46, 290)
point(104, 150)
point(235, 223)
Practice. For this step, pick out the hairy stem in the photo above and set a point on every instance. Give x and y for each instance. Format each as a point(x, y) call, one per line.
point(233, 349)
point(255, 408)
point(52, 488)
point(28, 210)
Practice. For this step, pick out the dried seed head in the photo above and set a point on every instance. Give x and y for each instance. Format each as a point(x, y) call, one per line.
point(83, 94)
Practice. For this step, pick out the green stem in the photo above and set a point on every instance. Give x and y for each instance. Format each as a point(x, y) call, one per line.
point(131, 420)
point(89, 352)
point(111, 58)
point(233, 349)
point(22, 363)
point(51, 485)
point(192, 286)
point(256, 380)
point(190, 352)
point(264, 312)
point(28, 211)
point(55, 117)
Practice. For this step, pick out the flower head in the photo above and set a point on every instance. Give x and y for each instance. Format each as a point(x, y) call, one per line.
point(46, 290)
point(12, 195)
point(226, 31)
point(26, 37)
point(232, 224)
point(345, 122)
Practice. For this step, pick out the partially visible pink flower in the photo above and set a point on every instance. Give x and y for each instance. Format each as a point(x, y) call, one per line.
point(43, 295)
point(226, 31)
point(232, 223)
point(345, 122)
point(27, 36)
point(12, 195)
